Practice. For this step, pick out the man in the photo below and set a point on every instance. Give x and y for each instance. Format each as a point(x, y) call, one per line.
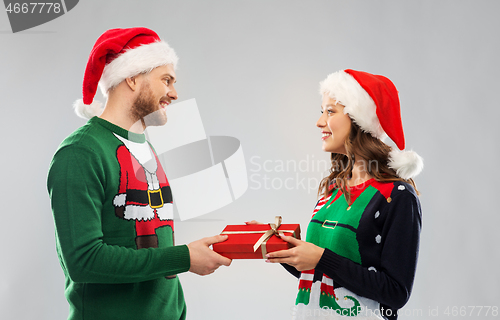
point(111, 200)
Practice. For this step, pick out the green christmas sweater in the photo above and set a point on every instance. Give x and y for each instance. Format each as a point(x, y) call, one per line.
point(112, 209)
point(371, 248)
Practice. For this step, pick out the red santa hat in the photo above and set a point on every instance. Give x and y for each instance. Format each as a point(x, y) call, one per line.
point(372, 102)
point(119, 54)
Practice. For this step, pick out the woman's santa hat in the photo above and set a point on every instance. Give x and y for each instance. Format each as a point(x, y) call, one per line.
point(372, 102)
point(119, 54)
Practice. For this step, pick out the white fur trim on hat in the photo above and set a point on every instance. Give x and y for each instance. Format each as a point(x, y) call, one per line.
point(407, 164)
point(87, 111)
point(344, 89)
point(135, 61)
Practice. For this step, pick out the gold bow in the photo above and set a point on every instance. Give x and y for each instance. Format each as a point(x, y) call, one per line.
point(266, 236)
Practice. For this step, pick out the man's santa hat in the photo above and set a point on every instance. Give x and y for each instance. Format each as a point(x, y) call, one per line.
point(119, 54)
point(372, 102)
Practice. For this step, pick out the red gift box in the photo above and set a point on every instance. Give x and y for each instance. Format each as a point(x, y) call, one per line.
point(242, 240)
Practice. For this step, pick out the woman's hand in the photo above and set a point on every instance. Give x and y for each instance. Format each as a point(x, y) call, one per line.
point(304, 256)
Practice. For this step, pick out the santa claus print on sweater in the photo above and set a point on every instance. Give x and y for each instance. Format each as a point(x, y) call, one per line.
point(144, 192)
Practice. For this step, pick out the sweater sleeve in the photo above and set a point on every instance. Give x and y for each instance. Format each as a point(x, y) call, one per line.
point(76, 184)
point(392, 284)
point(294, 272)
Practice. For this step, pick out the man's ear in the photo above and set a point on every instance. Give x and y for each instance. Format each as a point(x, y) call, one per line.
point(132, 83)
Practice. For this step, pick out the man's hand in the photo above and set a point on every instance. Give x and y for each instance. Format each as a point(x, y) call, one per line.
point(253, 222)
point(304, 256)
point(203, 259)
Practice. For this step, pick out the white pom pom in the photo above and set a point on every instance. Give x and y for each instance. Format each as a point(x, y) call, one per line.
point(407, 164)
point(87, 111)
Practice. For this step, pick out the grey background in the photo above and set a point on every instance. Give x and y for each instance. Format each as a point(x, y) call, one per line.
point(254, 68)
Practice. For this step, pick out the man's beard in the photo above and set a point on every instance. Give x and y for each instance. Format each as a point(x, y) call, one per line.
point(146, 109)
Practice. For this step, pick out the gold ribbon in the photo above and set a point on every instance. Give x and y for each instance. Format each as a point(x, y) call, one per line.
point(266, 236)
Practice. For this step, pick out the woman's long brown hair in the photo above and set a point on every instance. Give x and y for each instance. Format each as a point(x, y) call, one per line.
point(375, 154)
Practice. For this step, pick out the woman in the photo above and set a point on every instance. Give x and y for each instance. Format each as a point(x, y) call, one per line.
point(361, 248)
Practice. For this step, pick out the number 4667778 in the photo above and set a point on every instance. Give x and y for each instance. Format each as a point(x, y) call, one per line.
point(33, 7)
point(471, 310)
